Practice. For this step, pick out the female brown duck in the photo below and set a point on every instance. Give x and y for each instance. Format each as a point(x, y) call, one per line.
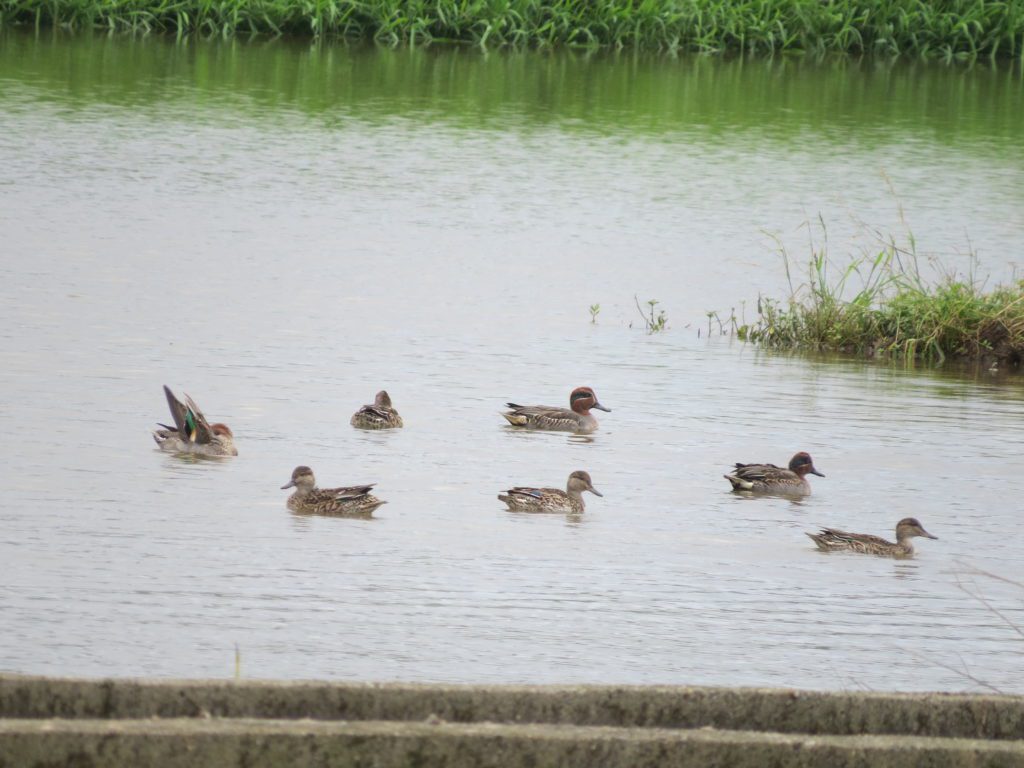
point(831, 539)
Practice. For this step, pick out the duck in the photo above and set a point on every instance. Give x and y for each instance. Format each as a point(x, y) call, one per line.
point(354, 501)
point(576, 418)
point(380, 415)
point(522, 499)
point(830, 539)
point(768, 478)
point(191, 432)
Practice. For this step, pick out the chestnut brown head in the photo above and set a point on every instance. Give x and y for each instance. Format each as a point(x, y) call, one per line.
point(582, 399)
point(802, 464)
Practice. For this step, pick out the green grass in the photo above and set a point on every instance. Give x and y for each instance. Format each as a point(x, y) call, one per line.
point(894, 312)
point(931, 28)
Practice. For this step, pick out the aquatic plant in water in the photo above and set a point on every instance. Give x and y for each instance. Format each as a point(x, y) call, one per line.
point(896, 311)
point(652, 322)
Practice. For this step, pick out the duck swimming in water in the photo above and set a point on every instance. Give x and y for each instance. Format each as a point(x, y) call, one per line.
point(831, 540)
point(380, 415)
point(768, 478)
point(191, 432)
point(522, 499)
point(355, 501)
point(575, 418)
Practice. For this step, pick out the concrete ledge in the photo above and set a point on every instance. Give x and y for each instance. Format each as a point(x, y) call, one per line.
point(783, 711)
point(258, 744)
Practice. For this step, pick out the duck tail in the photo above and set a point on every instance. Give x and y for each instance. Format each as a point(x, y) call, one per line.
point(738, 483)
point(818, 539)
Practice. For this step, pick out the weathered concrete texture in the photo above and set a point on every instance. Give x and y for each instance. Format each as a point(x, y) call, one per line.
point(784, 711)
point(273, 744)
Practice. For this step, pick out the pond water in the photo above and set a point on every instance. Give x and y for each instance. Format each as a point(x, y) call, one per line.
point(281, 230)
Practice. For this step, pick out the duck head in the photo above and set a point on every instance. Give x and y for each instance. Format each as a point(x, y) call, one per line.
point(382, 399)
point(223, 431)
point(579, 481)
point(582, 399)
point(801, 463)
point(302, 479)
point(909, 527)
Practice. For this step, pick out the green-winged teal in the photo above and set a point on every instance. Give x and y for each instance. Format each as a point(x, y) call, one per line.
point(191, 432)
point(768, 478)
point(380, 415)
point(356, 501)
point(576, 418)
point(551, 499)
point(831, 539)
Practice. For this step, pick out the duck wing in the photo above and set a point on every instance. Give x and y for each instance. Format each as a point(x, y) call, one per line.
point(189, 421)
point(178, 412)
point(835, 535)
point(374, 412)
point(204, 434)
point(535, 493)
point(545, 416)
point(765, 473)
point(341, 494)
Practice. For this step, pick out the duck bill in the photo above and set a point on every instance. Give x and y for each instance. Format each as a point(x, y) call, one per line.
point(594, 491)
point(813, 471)
point(601, 408)
point(289, 484)
point(927, 535)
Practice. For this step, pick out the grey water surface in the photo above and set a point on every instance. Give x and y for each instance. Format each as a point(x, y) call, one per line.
point(280, 230)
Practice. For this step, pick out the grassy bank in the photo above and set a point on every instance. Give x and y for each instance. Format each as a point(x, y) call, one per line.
point(895, 312)
point(936, 28)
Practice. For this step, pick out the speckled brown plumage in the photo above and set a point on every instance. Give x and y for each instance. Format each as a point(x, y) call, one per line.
point(380, 415)
point(352, 501)
point(832, 539)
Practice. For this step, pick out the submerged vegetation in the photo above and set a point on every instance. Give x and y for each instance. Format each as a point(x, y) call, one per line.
point(654, 321)
point(946, 29)
point(896, 311)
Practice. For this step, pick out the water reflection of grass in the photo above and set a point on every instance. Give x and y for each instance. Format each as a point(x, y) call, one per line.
point(956, 28)
point(896, 311)
point(714, 101)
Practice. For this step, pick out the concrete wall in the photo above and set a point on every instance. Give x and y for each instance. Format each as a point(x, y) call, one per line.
point(82, 723)
point(785, 711)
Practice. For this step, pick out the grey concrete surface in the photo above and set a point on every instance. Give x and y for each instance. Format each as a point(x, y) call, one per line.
point(778, 710)
point(194, 743)
point(63, 723)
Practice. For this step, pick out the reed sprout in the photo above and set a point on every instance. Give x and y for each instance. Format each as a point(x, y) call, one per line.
point(655, 321)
